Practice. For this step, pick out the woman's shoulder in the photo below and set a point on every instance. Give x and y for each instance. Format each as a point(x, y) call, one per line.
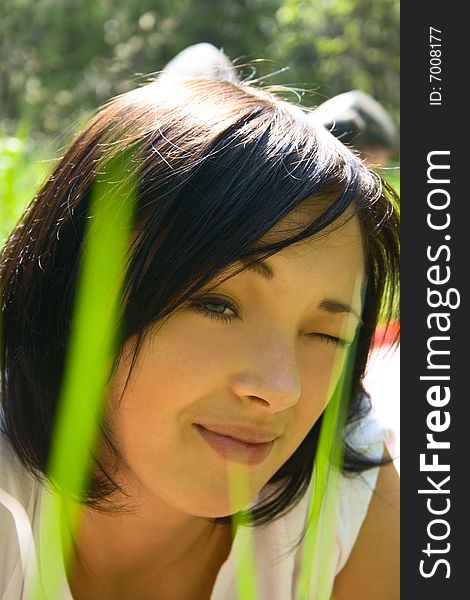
point(19, 500)
point(354, 490)
point(349, 506)
point(377, 548)
point(15, 480)
point(20, 493)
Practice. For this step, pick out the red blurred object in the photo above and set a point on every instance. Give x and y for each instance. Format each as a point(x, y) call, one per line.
point(386, 334)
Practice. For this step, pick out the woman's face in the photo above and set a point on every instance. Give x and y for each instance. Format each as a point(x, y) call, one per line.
point(234, 380)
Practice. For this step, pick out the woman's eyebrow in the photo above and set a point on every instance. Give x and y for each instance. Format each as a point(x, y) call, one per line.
point(334, 306)
point(259, 267)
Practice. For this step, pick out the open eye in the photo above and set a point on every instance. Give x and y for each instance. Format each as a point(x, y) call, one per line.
point(215, 308)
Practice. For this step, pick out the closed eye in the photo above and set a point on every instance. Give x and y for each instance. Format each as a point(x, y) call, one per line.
point(330, 339)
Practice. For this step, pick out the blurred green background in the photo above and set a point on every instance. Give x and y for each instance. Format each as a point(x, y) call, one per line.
point(60, 59)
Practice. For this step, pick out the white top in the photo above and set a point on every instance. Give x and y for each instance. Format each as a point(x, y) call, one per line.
point(277, 557)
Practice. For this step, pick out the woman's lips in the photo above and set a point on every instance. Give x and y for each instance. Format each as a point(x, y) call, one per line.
point(247, 453)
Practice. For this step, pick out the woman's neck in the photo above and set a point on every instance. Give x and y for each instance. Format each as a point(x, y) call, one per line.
point(142, 553)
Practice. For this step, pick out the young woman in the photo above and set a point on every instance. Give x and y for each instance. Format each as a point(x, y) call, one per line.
point(262, 251)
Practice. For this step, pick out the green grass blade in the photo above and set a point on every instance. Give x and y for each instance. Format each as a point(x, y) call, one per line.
point(245, 560)
point(317, 568)
point(88, 364)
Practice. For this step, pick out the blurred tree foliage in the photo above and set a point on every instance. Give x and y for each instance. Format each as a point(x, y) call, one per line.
point(59, 58)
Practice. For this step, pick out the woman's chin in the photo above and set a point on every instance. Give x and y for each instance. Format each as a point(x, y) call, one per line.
point(217, 510)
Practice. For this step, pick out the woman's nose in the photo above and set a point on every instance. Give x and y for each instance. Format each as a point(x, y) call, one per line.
point(270, 376)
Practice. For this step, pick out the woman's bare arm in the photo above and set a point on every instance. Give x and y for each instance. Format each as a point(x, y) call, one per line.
point(373, 568)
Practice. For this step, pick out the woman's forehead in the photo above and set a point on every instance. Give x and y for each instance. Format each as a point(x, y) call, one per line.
point(333, 260)
point(334, 256)
point(346, 227)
